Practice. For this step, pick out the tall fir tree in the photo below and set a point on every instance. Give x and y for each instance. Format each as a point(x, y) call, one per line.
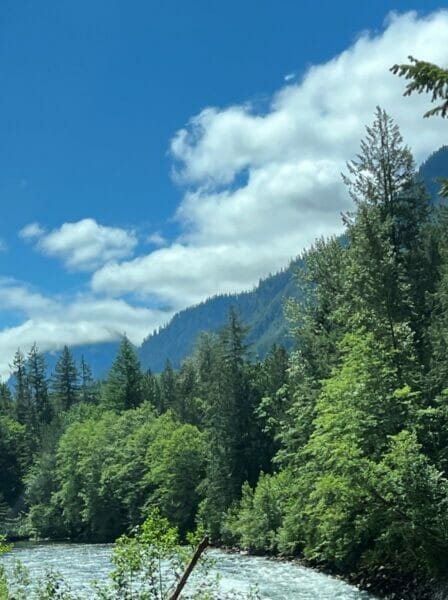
point(38, 385)
point(151, 389)
point(64, 382)
point(88, 388)
point(390, 273)
point(188, 408)
point(230, 423)
point(123, 389)
point(167, 382)
point(24, 410)
point(6, 401)
point(319, 324)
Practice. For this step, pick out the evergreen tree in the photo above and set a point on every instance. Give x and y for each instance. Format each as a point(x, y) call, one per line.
point(207, 361)
point(24, 409)
point(167, 382)
point(319, 324)
point(230, 423)
point(38, 385)
point(88, 389)
point(188, 408)
point(426, 77)
point(151, 389)
point(6, 401)
point(433, 419)
point(272, 380)
point(13, 459)
point(64, 383)
point(389, 273)
point(123, 389)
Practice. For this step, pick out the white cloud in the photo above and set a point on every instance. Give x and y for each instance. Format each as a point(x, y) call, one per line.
point(289, 77)
point(3, 245)
point(259, 188)
point(157, 239)
point(322, 116)
point(84, 319)
point(31, 231)
point(262, 186)
point(84, 245)
point(15, 296)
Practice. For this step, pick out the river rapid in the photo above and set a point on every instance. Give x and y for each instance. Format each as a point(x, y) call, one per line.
point(275, 580)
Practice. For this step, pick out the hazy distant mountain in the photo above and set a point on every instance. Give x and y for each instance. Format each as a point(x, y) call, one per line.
point(98, 356)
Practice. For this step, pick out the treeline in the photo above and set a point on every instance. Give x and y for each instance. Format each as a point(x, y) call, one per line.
point(337, 452)
point(88, 460)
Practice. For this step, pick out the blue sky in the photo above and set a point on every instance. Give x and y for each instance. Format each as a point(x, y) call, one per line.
point(155, 153)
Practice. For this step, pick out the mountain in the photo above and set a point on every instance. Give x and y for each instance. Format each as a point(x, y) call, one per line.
point(436, 165)
point(98, 356)
point(261, 309)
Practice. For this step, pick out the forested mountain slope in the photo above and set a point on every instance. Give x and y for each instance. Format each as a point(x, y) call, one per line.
point(435, 166)
point(260, 308)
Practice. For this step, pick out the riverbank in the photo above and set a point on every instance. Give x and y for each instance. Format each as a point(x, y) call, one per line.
point(383, 583)
point(392, 586)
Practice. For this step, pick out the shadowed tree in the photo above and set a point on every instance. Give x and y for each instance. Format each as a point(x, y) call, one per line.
point(64, 383)
point(123, 389)
point(38, 385)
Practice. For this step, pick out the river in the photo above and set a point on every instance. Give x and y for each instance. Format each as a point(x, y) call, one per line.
point(275, 580)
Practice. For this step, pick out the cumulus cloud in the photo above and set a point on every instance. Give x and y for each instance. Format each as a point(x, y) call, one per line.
point(31, 231)
point(324, 114)
point(261, 186)
point(84, 319)
point(15, 296)
point(84, 245)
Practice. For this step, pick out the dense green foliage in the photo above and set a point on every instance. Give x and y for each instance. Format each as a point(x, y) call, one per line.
point(336, 451)
point(362, 479)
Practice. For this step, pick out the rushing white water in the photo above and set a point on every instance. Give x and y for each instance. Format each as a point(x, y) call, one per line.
point(275, 580)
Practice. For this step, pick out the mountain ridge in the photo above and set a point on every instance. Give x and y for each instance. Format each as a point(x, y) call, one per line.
point(260, 308)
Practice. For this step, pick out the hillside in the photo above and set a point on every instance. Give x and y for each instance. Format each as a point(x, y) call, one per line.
point(260, 308)
point(436, 165)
